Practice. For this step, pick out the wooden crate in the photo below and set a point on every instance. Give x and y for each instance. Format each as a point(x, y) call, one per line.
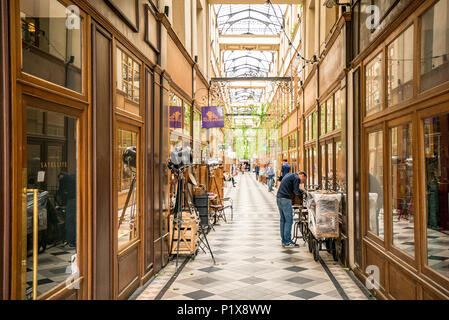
point(188, 243)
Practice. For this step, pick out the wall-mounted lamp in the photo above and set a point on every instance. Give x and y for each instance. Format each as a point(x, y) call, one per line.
point(332, 3)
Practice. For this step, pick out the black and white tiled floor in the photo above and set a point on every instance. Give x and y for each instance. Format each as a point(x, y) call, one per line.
point(251, 263)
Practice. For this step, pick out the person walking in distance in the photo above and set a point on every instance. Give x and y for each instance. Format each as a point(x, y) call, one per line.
point(292, 183)
point(269, 172)
point(257, 170)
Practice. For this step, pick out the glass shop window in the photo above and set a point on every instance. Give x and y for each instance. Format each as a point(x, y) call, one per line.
point(330, 166)
point(197, 126)
point(340, 182)
point(434, 46)
point(315, 165)
point(323, 119)
point(436, 148)
point(401, 181)
point(128, 83)
point(329, 116)
point(175, 101)
point(323, 167)
point(310, 175)
point(373, 78)
point(375, 183)
point(400, 68)
point(315, 125)
point(51, 170)
point(187, 119)
point(127, 187)
point(338, 98)
point(306, 129)
point(51, 50)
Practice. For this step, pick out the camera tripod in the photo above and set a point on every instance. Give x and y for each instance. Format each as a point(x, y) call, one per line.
point(181, 195)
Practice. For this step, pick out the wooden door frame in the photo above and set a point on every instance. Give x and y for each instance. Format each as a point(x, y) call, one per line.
point(25, 100)
point(5, 161)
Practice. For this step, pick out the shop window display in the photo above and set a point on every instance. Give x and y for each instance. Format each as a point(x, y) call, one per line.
point(436, 148)
point(375, 183)
point(401, 181)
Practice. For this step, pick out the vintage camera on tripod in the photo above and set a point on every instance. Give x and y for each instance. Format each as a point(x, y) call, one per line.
point(180, 159)
point(129, 157)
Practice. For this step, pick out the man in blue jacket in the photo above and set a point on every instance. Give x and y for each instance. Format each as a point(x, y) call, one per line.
point(285, 169)
point(291, 184)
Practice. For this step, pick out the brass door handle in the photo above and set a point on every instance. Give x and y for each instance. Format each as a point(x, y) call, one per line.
point(35, 238)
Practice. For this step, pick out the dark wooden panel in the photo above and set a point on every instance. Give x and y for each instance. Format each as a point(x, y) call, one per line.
point(430, 295)
point(374, 258)
point(157, 192)
point(401, 286)
point(4, 152)
point(157, 255)
point(128, 268)
point(357, 171)
point(164, 172)
point(128, 11)
point(149, 182)
point(102, 184)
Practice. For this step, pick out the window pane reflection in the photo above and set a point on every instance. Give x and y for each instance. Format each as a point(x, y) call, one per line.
point(330, 167)
point(315, 166)
point(402, 211)
point(50, 50)
point(436, 147)
point(435, 46)
point(375, 183)
point(52, 170)
point(340, 182)
point(400, 68)
point(338, 108)
point(373, 85)
point(323, 167)
point(330, 116)
point(323, 119)
point(127, 200)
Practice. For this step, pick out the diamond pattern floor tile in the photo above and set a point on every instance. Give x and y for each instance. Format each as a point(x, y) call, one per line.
point(251, 263)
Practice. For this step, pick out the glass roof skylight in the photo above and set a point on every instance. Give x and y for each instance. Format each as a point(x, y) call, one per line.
point(251, 19)
point(247, 63)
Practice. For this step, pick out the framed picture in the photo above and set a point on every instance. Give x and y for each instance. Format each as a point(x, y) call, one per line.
point(127, 10)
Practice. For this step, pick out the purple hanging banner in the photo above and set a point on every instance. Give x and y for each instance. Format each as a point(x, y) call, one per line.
point(175, 117)
point(212, 117)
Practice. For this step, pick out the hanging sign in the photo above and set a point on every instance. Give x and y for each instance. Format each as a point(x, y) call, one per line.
point(212, 117)
point(175, 117)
